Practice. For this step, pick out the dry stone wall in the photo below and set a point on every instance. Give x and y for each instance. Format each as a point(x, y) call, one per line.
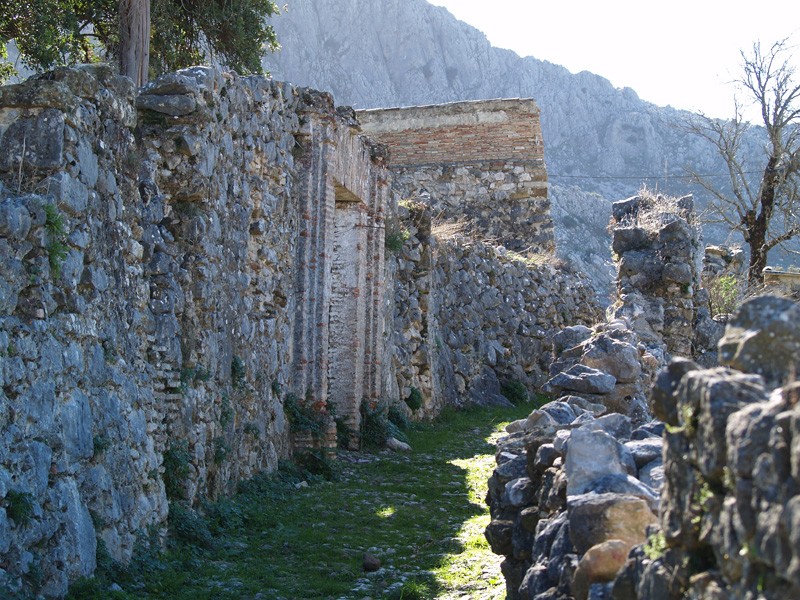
point(180, 263)
point(471, 317)
point(728, 520)
point(659, 255)
point(174, 264)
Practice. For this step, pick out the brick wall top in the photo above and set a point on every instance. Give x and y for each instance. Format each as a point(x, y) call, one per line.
point(458, 132)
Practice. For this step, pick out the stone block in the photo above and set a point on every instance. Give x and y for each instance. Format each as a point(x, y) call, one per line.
point(35, 142)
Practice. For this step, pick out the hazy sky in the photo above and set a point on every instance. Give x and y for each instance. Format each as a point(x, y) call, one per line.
point(678, 52)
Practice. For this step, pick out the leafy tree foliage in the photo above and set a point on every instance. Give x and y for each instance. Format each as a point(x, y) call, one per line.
point(233, 32)
point(49, 33)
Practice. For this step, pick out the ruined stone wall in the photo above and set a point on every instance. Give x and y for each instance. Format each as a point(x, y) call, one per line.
point(729, 506)
point(167, 279)
point(481, 163)
point(659, 255)
point(471, 317)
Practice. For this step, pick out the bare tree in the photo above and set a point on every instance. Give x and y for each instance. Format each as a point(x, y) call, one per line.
point(134, 39)
point(762, 203)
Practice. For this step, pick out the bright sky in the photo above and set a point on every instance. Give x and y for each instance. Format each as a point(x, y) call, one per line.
point(682, 53)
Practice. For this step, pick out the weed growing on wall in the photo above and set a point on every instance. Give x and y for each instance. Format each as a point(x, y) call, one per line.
point(176, 469)
point(19, 507)
point(56, 239)
point(395, 239)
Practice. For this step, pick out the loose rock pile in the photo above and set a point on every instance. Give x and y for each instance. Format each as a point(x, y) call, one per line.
point(575, 487)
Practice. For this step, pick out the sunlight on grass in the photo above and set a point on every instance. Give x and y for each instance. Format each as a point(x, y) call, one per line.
point(422, 514)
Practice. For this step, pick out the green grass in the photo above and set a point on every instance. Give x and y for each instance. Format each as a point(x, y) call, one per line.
point(422, 515)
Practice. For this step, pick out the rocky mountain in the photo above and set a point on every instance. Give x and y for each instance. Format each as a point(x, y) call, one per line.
point(373, 53)
point(602, 143)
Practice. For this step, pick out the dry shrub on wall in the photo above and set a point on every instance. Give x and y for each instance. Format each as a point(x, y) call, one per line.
point(459, 231)
point(654, 212)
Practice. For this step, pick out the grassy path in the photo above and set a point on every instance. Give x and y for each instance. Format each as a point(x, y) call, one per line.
point(292, 538)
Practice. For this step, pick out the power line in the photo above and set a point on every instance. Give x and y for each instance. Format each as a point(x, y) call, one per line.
point(641, 177)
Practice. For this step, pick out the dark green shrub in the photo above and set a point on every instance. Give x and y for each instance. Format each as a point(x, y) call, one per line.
point(251, 428)
point(398, 417)
point(515, 391)
point(225, 411)
point(344, 433)
point(302, 418)
point(237, 372)
point(316, 465)
point(176, 469)
point(222, 515)
point(100, 444)
point(374, 426)
point(19, 507)
point(414, 399)
point(221, 450)
point(189, 527)
point(56, 238)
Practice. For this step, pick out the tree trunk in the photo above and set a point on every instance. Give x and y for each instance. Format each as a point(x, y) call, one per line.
point(134, 37)
point(758, 227)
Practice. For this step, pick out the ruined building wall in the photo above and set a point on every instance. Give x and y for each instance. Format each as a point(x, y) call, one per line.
point(168, 277)
point(479, 162)
point(339, 284)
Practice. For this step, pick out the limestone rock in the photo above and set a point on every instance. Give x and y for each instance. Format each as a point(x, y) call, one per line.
point(764, 338)
point(600, 563)
point(590, 456)
point(397, 446)
point(579, 378)
point(617, 358)
point(597, 518)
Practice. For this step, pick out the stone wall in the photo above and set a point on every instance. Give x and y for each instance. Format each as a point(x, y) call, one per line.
point(471, 317)
point(168, 278)
point(481, 163)
point(729, 516)
point(180, 264)
point(659, 256)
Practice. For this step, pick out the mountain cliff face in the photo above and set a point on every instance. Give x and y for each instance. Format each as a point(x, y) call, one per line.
point(598, 139)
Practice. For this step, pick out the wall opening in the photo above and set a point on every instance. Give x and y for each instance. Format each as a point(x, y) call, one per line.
point(347, 324)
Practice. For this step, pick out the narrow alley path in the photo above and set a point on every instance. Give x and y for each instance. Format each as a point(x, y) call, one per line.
point(300, 537)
